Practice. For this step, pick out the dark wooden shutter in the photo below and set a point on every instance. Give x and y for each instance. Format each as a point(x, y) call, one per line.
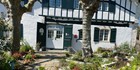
point(113, 35)
point(67, 4)
point(112, 6)
point(80, 34)
point(96, 34)
point(21, 30)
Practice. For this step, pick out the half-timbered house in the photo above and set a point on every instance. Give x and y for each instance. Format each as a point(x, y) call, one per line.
point(57, 24)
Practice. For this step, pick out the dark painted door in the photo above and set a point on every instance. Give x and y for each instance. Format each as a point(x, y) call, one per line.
point(68, 35)
point(41, 35)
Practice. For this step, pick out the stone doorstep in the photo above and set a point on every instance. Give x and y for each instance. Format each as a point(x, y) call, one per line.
point(53, 52)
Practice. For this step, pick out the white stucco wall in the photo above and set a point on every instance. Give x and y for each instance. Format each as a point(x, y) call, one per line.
point(124, 34)
point(29, 21)
point(3, 9)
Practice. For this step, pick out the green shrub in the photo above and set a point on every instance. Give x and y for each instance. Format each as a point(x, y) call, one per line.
point(105, 54)
point(4, 65)
point(25, 47)
point(124, 48)
point(77, 56)
point(72, 65)
point(28, 56)
point(41, 68)
point(96, 60)
point(7, 56)
point(99, 50)
point(89, 67)
point(88, 59)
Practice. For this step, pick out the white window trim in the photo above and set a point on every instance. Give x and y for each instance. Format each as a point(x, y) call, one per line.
point(104, 36)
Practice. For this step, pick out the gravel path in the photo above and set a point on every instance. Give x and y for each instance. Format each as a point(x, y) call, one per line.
point(48, 60)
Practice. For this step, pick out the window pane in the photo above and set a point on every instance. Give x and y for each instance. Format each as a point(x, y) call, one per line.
point(50, 33)
point(100, 6)
point(58, 34)
point(80, 34)
point(45, 3)
point(76, 4)
point(106, 34)
point(101, 35)
point(53, 3)
point(104, 6)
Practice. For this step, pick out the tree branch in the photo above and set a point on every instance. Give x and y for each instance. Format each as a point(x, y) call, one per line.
point(93, 4)
point(5, 3)
point(2, 1)
point(89, 4)
point(27, 7)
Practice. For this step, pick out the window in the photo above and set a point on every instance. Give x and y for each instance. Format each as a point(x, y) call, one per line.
point(103, 6)
point(54, 3)
point(45, 3)
point(107, 6)
point(50, 33)
point(80, 34)
point(76, 4)
point(58, 34)
point(104, 33)
point(67, 4)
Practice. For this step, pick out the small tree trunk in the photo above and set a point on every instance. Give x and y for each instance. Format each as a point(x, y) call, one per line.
point(16, 33)
point(86, 39)
point(15, 21)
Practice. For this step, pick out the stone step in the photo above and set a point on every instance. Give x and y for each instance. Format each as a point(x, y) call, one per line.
point(53, 52)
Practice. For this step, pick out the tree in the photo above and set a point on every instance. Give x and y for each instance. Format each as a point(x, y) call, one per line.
point(15, 12)
point(89, 7)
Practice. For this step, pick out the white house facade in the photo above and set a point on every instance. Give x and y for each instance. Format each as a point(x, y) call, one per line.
point(57, 24)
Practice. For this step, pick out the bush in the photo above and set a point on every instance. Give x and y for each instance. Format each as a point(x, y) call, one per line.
point(24, 48)
point(41, 68)
point(4, 65)
point(105, 54)
point(7, 56)
point(28, 57)
point(124, 48)
point(72, 65)
point(89, 67)
point(77, 56)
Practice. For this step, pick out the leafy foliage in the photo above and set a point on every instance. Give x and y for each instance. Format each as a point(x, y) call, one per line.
point(25, 47)
point(4, 40)
point(28, 56)
point(41, 68)
point(77, 56)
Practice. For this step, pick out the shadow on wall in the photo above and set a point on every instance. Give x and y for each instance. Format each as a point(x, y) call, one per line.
point(76, 43)
point(37, 5)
